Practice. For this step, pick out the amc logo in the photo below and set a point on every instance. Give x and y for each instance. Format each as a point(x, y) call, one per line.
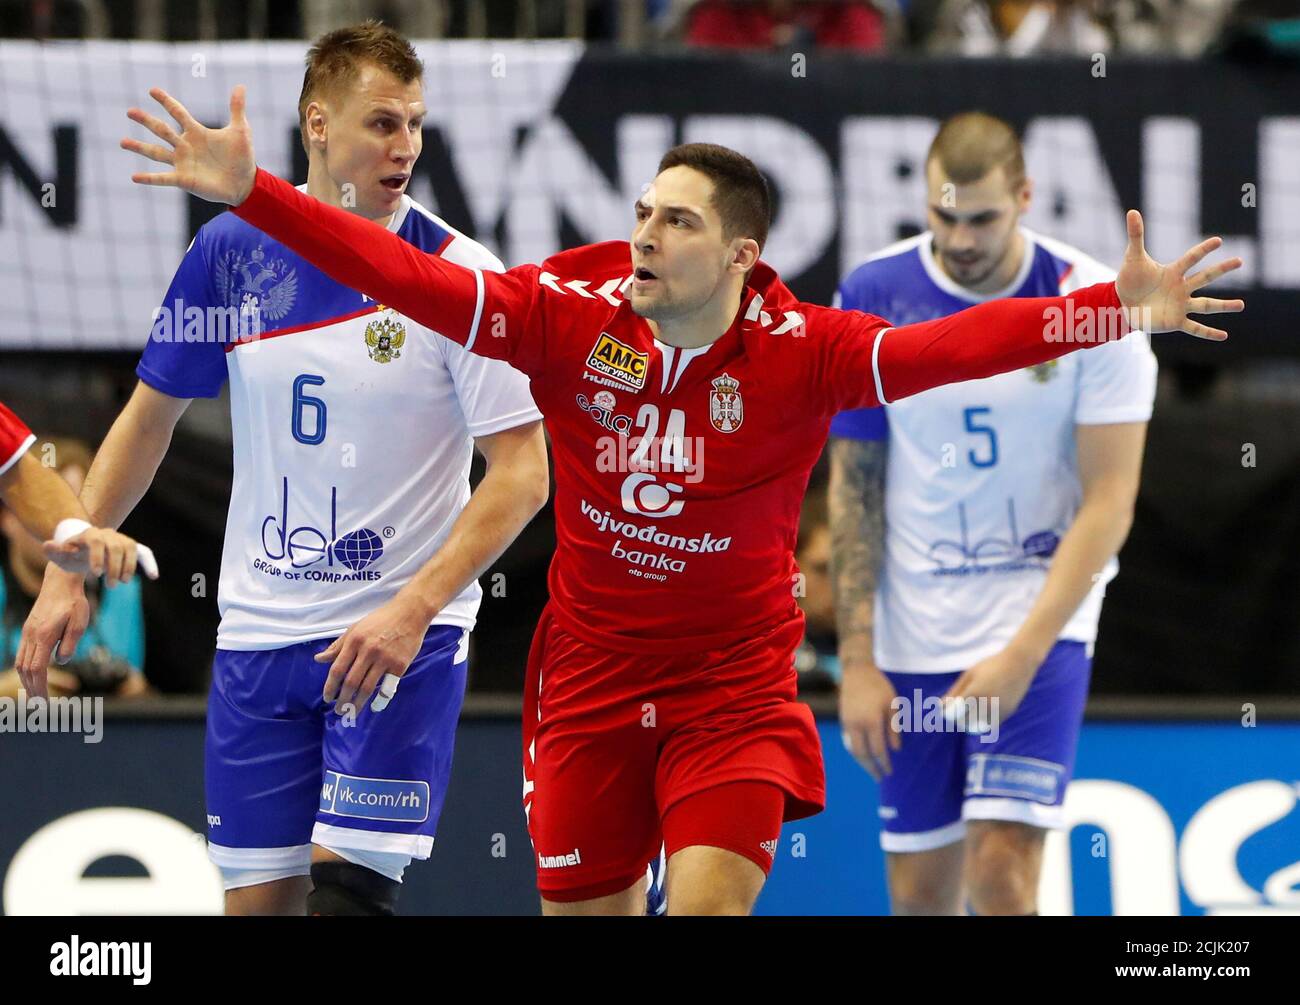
point(614, 359)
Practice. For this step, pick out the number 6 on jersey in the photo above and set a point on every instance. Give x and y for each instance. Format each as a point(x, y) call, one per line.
point(303, 401)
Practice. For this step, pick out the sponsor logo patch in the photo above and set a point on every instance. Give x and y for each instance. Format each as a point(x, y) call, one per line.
point(601, 410)
point(374, 798)
point(612, 358)
point(1015, 777)
point(559, 861)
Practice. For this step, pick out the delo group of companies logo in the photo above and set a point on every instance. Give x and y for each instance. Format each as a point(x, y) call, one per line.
point(312, 553)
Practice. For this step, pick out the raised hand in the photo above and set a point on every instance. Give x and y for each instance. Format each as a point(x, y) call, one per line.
point(1159, 298)
point(214, 164)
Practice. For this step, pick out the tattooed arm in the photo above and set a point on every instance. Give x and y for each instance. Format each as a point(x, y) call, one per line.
point(857, 523)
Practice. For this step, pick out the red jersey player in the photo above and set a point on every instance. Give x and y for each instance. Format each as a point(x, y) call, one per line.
point(47, 507)
point(688, 394)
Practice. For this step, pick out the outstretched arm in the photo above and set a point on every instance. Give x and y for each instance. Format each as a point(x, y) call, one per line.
point(124, 467)
point(48, 508)
point(1004, 335)
point(438, 294)
point(218, 165)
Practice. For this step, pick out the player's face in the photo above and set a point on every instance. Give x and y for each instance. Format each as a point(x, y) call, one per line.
point(974, 225)
point(373, 139)
point(679, 255)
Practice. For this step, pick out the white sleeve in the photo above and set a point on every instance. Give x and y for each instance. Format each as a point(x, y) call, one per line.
point(1117, 381)
point(467, 252)
point(493, 395)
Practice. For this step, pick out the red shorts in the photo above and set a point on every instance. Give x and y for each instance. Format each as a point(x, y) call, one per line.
point(613, 740)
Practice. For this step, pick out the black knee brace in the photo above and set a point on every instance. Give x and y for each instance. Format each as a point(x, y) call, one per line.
point(346, 890)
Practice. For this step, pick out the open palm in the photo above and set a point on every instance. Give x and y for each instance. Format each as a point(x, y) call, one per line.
point(214, 164)
point(1159, 298)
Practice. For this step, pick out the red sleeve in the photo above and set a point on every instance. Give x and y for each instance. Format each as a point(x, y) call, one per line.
point(489, 313)
point(868, 363)
point(15, 438)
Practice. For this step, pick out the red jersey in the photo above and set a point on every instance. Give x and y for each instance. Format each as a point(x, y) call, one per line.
point(679, 473)
point(15, 438)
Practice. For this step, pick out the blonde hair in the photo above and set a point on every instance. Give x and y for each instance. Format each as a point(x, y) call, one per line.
point(970, 145)
point(334, 61)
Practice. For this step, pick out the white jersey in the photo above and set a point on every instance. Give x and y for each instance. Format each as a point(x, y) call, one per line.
point(353, 428)
point(982, 480)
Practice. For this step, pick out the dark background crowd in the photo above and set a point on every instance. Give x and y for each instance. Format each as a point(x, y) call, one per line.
point(943, 27)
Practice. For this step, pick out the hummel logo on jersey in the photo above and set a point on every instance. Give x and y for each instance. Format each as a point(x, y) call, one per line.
point(614, 359)
point(559, 861)
point(769, 847)
point(791, 321)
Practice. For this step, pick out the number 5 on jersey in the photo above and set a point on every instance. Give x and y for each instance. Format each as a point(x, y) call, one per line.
point(974, 427)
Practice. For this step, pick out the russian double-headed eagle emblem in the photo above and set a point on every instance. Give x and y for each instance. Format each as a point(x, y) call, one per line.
point(263, 288)
point(385, 337)
point(1043, 372)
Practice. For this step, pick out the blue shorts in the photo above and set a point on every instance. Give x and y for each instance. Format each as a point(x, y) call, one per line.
point(283, 770)
point(942, 777)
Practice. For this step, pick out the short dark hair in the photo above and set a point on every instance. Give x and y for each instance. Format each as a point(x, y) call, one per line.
point(740, 192)
point(333, 62)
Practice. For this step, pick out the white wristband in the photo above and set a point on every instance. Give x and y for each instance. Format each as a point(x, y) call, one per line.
point(69, 528)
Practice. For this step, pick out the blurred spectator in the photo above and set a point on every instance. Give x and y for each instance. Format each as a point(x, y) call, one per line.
point(1170, 27)
point(786, 24)
point(155, 19)
point(1076, 27)
point(110, 657)
point(816, 659)
point(1018, 28)
point(1262, 29)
